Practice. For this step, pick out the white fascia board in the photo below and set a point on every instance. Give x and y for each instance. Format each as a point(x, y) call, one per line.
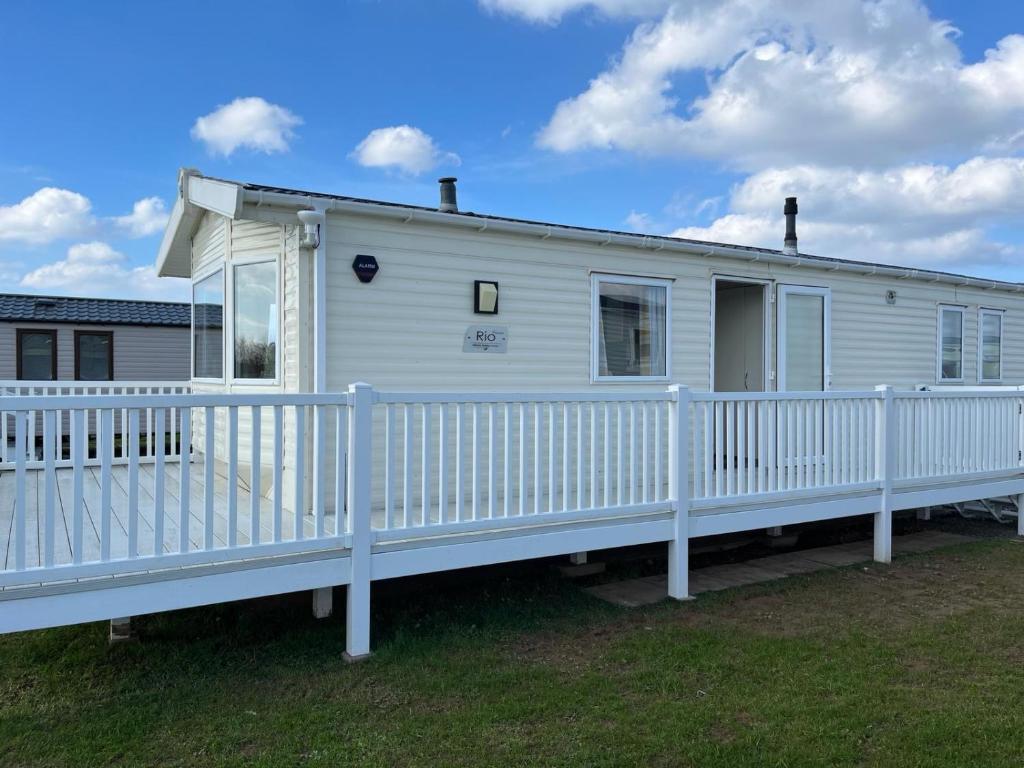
point(174, 259)
point(220, 197)
point(199, 194)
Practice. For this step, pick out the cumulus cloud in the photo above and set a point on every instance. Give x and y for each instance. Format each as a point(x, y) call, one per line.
point(552, 11)
point(46, 215)
point(920, 215)
point(875, 82)
point(252, 123)
point(96, 269)
point(401, 147)
point(149, 215)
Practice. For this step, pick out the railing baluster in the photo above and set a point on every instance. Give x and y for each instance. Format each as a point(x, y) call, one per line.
point(475, 467)
point(340, 469)
point(538, 481)
point(105, 449)
point(426, 440)
point(20, 457)
point(566, 462)
point(552, 489)
point(158, 486)
point(49, 486)
point(507, 457)
point(299, 523)
point(593, 455)
point(522, 459)
point(492, 463)
point(232, 478)
point(407, 466)
point(632, 453)
point(442, 461)
point(185, 481)
point(657, 452)
point(740, 454)
point(579, 456)
point(607, 456)
point(460, 469)
point(256, 416)
point(77, 482)
point(620, 465)
point(389, 466)
point(209, 462)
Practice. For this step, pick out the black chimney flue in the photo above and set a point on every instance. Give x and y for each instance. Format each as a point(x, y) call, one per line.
point(449, 203)
point(789, 243)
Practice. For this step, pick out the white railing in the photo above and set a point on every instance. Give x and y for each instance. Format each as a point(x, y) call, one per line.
point(282, 474)
point(459, 462)
point(752, 444)
point(64, 425)
point(948, 434)
point(243, 496)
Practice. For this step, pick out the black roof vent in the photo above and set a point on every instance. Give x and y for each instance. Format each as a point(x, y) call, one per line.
point(448, 201)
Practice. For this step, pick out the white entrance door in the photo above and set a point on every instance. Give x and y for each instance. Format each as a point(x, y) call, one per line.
point(804, 348)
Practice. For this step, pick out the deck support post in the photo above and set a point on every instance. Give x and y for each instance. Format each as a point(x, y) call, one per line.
point(679, 492)
point(578, 558)
point(924, 513)
point(885, 458)
point(1020, 515)
point(360, 452)
point(120, 630)
point(323, 602)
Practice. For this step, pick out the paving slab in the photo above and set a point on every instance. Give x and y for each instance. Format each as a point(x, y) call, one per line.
point(633, 593)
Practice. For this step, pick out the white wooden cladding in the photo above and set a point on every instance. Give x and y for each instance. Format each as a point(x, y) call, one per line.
point(214, 510)
point(458, 461)
point(63, 422)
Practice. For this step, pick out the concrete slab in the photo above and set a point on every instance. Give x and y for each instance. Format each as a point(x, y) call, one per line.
point(634, 593)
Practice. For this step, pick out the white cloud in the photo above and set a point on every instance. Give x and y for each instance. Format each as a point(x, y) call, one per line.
point(875, 82)
point(918, 215)
point(552, 11)
point(46, 215)
point(96, 269)
point(637, 221)
point(149, 215)
point(402, 147)
point(249, 122)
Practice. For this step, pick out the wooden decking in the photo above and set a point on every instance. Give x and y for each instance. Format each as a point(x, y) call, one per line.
point(92, 512)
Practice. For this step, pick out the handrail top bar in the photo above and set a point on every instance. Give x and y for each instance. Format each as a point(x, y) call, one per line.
point(11, 403)
point(711, 397)
point(497, 398)
point(82, 383)
point(949, 394)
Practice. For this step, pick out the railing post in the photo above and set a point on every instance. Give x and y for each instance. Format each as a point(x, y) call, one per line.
point(679, 492)
point(885, 460)
point(360, 453)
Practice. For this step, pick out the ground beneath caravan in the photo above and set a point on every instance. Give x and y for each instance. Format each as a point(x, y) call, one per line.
point(918, 663)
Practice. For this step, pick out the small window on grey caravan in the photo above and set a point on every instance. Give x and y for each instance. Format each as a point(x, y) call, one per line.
point(630, 328)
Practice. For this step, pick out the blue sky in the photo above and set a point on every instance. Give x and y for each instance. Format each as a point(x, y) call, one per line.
point(899, 124)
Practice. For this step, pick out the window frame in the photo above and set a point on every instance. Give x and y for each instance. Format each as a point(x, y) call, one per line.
point(79, 333)
point(221, 267)
point(982, 313)
point(596, 278)
point(52, 333)
point(233, 263)
point(943, 308)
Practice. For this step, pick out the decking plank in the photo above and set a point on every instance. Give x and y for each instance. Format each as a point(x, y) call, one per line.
point(6, 516)
point(66, 494)
point(147, 479)
point(197, 501)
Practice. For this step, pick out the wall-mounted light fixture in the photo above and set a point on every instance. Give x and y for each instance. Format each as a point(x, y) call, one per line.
point(485, 297)
point(311, 221)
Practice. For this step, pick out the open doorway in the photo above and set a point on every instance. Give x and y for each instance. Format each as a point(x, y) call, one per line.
point(738, 335)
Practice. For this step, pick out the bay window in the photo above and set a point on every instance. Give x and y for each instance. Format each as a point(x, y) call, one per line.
point(630, 334)
point(254, 318)
point(208, 327)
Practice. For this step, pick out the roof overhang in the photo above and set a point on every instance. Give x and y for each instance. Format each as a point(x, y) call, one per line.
point(196, 196)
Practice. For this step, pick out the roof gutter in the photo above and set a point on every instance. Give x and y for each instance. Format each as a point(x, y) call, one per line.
point(642, 242)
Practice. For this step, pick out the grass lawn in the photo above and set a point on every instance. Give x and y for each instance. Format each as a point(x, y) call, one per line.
point(916, 664)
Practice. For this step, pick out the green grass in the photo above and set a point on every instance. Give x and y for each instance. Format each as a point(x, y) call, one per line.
point(916, 664)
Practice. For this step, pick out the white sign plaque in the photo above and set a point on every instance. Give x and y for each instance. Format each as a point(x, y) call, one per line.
point(486, 338)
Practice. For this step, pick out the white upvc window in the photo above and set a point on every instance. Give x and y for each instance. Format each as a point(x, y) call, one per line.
point(990, 345)
point(950, 343)
point(255, 306)
point(208, 326)
point(630, 328)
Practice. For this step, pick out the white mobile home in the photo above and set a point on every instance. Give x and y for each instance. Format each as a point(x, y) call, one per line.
point(575, 308)
point(396, 390)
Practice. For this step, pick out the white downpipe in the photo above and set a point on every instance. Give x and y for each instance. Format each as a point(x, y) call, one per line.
point(320, 308)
